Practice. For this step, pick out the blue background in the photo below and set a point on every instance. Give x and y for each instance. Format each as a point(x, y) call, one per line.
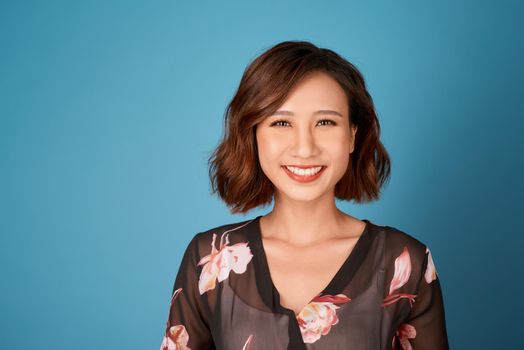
point(110, 109)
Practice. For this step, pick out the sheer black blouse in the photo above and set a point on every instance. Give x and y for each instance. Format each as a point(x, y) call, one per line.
point(386, 295)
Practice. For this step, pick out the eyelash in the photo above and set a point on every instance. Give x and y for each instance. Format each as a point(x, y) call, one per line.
point(285, 121)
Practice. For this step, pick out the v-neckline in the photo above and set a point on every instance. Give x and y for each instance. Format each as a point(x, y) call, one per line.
point(342, 277)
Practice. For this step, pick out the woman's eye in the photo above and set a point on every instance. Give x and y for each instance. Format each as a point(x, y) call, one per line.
point(279, 122)
point(328, 120)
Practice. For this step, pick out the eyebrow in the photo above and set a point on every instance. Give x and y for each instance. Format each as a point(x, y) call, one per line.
point(321, 112)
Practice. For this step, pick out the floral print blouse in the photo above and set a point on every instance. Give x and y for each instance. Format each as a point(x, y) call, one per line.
point(386, 295)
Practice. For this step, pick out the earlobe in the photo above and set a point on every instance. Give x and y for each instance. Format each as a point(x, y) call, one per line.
point(354, 131)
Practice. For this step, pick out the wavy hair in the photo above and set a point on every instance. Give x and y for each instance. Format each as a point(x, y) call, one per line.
point(234, 169)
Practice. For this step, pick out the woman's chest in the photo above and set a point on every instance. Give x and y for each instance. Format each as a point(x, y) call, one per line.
point(300, 274)
point(358, 321)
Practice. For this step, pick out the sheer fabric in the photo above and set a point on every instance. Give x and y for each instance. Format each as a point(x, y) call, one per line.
point(386, 295)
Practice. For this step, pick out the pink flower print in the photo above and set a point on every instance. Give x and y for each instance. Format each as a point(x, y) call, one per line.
point(404, 333)
point(248, 342)
point(317, 317)
point(175, 337)
point(400, 278)
point(431, 272)
point(219, 263)
point(402, 270)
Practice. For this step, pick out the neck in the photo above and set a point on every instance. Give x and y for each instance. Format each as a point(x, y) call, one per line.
point(304, 223)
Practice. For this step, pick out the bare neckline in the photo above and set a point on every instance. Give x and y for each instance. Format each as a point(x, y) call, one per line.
point(341, 278)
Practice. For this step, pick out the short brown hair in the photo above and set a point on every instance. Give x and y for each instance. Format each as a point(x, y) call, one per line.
point(234, 168)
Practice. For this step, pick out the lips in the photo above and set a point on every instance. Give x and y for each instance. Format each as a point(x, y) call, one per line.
point(304, 178)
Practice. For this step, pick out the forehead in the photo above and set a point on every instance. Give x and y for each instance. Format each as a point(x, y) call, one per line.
point(317, 90)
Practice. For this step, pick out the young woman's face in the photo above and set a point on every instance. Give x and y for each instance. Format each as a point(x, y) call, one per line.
point(310, 129)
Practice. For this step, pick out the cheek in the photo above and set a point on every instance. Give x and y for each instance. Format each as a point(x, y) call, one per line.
point(269, 147)
point(337, 145)
point(268, 153)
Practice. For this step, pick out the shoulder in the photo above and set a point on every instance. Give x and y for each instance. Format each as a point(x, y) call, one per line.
point(406, 260)
point(206, 244)
point(231, 229)
point(229, 233)
point(397, 242)
point(226, 228)
point(397, 236)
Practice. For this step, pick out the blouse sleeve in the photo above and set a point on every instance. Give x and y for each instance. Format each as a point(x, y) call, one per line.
point(425, 326)
point(187, 325)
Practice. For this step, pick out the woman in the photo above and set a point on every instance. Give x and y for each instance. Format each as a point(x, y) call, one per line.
point(302, 131)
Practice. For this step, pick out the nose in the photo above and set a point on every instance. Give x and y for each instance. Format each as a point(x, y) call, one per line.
point(304, 143)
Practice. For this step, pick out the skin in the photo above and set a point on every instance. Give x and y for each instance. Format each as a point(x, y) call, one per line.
point(305, 232)
point(306, 213)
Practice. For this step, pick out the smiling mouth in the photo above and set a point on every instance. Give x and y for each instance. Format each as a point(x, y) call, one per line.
point(304, 170)
point(304, 174)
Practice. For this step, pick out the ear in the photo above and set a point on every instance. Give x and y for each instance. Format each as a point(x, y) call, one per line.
point(353, 130)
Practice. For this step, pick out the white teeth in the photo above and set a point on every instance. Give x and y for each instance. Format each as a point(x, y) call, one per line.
point(304, 172)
